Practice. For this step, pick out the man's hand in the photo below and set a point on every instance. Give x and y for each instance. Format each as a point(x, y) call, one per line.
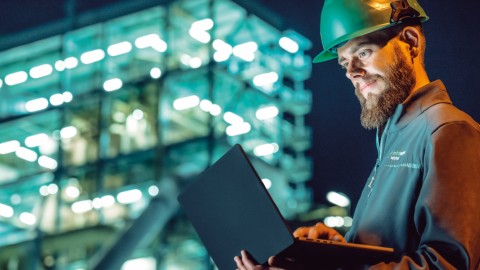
point(319, 231)
point(245, 262)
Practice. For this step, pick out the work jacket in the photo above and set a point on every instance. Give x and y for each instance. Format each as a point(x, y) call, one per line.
point(423, 195)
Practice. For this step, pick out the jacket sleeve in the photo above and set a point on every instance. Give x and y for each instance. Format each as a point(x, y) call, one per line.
point(447, 210)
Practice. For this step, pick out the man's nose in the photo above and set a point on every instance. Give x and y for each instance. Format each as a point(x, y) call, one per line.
point(355, 70)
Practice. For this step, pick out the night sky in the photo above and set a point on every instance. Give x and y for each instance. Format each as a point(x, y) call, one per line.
point(343, 151)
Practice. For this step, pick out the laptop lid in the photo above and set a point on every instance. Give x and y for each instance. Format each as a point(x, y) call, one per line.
point(231, 210)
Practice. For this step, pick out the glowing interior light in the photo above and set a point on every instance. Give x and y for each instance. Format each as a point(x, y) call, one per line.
point(47, 162)
point(16, 78)
point(151, 40)
point(36, 140)
point(36, 105)
point(112, 84)
point(215, 110)
point(26, 154)
point(220, 56)
point(266, 113)
point(52, 188)
point(41, 71)
point(57, 99)
point(288, 44)
point(107, 200)
point(205, 105)
point(347, 221)
point(155, 73)
point(9, 147)
point(337, 198)
point(97, 203)
point(199, 35)
point(232, 118)
point(334, 221)
point(119, 48)
point(67, 96)
point(159, 45)
point(92, 56)
point(238, 129)
point(129, 196)
point(6, 210)
point(221, 45)
point(265, 79)
point(138, 114)
point(153, 191)
point(68, 132)
point(72, 192)
point(28, 218)
point(60, 65)
point(246, 51)
point(44, 191)
point(71, 62)
point(195, 62)
point(265, 149)
point(1, 83)
point(205, 24)
point(82, 206)
point(186, 102)
point(267, 183)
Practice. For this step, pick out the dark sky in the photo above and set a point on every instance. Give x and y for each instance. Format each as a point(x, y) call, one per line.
point(343, 151)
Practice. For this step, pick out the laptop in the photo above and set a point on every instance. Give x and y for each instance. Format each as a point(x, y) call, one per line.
point(231, 210)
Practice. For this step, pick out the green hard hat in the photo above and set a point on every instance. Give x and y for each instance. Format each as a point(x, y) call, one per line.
point(342, 20)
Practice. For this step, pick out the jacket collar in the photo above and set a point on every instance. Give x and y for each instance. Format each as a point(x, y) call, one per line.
point(419, 101)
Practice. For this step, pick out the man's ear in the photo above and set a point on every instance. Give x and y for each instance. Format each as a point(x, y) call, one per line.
point(411, 36)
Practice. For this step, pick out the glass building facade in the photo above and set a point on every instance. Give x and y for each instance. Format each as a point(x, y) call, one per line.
point(102, 125)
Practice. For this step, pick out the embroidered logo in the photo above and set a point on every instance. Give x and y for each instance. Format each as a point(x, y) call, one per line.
point(395, 155)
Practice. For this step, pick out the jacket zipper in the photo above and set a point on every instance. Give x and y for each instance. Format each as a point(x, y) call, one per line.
point(380, 145)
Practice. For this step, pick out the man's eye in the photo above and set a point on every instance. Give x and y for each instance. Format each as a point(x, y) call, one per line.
point(344, 66)
point(363, 54)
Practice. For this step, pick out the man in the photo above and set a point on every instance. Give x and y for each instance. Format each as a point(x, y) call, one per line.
point(422, 197)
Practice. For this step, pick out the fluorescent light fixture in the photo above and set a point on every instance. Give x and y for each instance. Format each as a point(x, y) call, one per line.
point(155, 73)
point(215, 110)
point(36, 105)
point(265, 149)
point(60, 65)
point(26, 154)
point(82, 206)
point(338, 198)
point(205, 105)
point(246, 51)
point(265, 113)
point(68, 132)
point(153, 190)
point(72, 192)
point(265, 79)
point(16, 78)
point(119, 48)
point(288, 44)
point(6, 210)
point(47, 162)
point(238, 129)
point(107, 201)
point(9, 147)
point(152, 40)
point(112, 84)
point(205, 24)
point(41, 71)
point(186, 102)
point(28, 218)
point(36, 140)
point(56, 99)
point(92, 56)
point(129, 196)
point(334, 221)
point(200, 35)
point(232, 118)
point(71, 62)
point(195, 62)
point(67, 96)
point(267, 183)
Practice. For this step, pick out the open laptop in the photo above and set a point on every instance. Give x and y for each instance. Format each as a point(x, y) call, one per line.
point(230, 208)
